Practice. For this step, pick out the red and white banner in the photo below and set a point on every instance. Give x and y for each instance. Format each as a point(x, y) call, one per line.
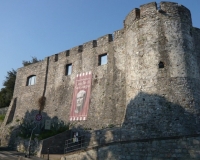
point(81, 96)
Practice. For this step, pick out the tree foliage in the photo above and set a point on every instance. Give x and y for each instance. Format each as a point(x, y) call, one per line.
point(6, 92)
point(34, 60)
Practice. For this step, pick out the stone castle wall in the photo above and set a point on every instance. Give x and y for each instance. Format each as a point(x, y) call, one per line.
point(186, 148)
point(150, 35)
point(108, 83)
point(150, 84)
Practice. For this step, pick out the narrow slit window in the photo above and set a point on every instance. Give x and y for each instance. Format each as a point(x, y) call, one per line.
point(161, 65)
point(67, 53)
point(102, 59)
point(191, 32)
point(68, 69)
point(31, 80)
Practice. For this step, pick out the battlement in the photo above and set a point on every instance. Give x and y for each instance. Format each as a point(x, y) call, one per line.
point(90, 44)
point(169, 7)
point(131, 17)
point(79, 49)
point(104, 39)
point(153, 9)
point(149, 10)
point(175, 9)
point(172, 7)
point(118, 34)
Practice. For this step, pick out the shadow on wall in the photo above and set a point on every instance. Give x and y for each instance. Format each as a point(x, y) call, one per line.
point(152, 116)
point(153, 128)
point(12, 111)
point(37, 129)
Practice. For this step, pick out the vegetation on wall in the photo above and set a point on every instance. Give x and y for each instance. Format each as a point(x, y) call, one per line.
point(55, 129)
point(34, 60)
point(41, 103)
point(2, 117)
point(6, 92)
point(26, 127)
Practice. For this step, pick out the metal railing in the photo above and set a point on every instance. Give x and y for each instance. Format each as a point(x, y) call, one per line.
point(92, 139)
point(74, 144)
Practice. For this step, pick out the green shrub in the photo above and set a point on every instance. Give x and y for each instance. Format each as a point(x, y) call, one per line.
point(49, 133)
point(26, 128)
point(2, 117)
point(111, 125)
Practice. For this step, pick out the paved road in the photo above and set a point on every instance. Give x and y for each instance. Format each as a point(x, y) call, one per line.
point(13, 155)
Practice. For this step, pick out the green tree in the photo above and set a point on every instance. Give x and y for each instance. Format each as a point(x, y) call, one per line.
point(9, 83)
point(4, 98)
point(6, 92)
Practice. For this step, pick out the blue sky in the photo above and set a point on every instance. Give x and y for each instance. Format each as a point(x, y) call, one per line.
point(40, 28)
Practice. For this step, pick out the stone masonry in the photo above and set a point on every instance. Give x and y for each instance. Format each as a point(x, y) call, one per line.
point(149, 86)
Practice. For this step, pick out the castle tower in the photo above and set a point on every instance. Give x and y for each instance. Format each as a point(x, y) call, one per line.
point(162, 72)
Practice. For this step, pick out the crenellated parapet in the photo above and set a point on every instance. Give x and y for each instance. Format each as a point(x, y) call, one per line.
point(131, 17)
point(175, 9)
point(104, 39)
point(152, 9)
point(118, 34)
point(79, 49)
point(90, 44)
point(148, 9)
point(54, 58)
point(75, 50)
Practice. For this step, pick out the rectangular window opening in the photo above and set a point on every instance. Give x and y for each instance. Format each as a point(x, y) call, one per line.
point(31, 80)
point(68, 69)
point(102, 59)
